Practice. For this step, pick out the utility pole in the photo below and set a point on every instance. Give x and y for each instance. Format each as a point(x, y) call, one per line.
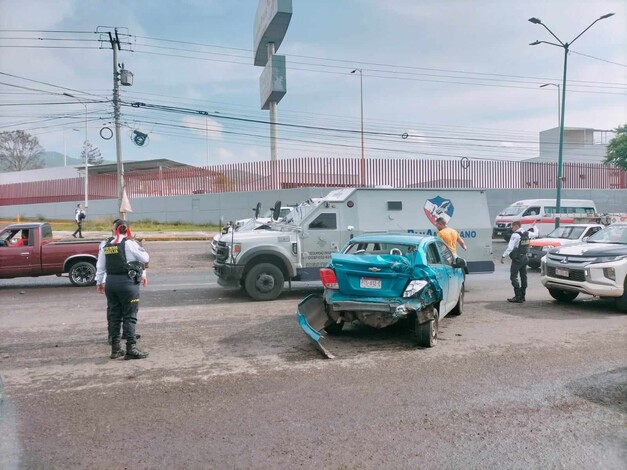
point(125, 78)
point(115, 45)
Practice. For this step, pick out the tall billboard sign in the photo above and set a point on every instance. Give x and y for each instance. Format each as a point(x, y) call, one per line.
point(271, 22)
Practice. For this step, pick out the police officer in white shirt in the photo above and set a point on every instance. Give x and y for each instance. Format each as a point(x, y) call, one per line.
point(118, 275)
point(517, 250)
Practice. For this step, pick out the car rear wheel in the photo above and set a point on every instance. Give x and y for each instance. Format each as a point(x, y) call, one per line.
point(264, 282)
point(459, 308)
point(563, 295)
point(83, 274)
point(427, 333)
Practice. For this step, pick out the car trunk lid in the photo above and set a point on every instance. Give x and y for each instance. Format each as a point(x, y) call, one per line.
point(379, 275)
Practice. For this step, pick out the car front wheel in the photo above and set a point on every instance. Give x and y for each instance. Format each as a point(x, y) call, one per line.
point(563, 295)
point(459, 307)
point(621, 302)
point(427, 333)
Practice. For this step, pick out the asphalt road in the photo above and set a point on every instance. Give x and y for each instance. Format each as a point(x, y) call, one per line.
point(232, 383)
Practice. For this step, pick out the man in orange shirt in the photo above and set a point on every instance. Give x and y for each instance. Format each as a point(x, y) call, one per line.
point(450, 236)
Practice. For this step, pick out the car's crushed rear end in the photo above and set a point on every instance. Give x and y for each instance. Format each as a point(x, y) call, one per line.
point(375, 289)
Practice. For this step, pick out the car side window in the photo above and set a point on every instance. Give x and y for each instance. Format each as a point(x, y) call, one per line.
point(433, 255)
point(327, 220)
point(532, 211)
point(447, 254)
point(592, 231)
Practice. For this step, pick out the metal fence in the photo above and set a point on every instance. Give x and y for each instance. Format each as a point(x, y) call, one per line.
point(320, 172)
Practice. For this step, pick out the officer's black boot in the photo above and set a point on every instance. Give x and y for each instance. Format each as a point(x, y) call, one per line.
point(133, 353)
point(522, 294)
point(116, 350)
point(517, 297)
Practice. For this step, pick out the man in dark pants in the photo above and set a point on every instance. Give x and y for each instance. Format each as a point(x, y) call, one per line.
point(517, 250)
point(118, 278)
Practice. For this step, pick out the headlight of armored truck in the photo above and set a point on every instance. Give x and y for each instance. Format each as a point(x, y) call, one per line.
point(414, 287)
point(236, 249)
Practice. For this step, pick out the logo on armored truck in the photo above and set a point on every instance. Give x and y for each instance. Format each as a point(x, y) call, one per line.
point(438, 207)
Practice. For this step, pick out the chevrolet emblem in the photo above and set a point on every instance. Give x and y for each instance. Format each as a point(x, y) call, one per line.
point(374, 270)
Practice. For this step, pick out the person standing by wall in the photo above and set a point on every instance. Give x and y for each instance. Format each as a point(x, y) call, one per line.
point(517, 249)
point(79, 216)
point(450, 236)
point(120, 259)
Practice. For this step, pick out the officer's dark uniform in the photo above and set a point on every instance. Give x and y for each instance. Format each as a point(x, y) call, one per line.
point(519, 266)
point(122, 291)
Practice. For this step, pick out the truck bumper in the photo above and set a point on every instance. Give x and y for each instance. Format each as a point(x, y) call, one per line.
point(229, 275)
point(501, 232)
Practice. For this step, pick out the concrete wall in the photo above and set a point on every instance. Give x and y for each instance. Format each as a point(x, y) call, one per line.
point(209, 208)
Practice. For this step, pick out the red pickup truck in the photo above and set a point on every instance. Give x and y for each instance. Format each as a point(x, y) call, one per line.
point(28, 250)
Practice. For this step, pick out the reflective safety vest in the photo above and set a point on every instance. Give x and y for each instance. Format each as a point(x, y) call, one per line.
point(115, 257)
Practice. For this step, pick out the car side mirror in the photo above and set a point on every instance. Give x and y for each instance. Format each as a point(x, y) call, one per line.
point(585, 239)
point(459, 263)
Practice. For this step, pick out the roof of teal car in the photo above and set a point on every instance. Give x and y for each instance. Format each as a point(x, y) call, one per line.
point(408, 238)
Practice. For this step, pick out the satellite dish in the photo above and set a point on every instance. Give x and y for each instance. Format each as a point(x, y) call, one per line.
point(276, 211)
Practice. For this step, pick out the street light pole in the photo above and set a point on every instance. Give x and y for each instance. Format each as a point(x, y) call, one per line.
point(565, 46)
point(559, 119)
point(363, 158)
point(85, 147)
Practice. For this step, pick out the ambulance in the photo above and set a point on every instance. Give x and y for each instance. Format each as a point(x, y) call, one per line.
point(542, 213)
point(296, 247)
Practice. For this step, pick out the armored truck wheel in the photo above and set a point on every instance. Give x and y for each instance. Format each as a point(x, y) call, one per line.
point(82, 274)
point(426, 334)
point(264, 282)
point(563, 295)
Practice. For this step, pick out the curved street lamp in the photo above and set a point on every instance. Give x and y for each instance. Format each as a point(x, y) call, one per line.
point(565, 46)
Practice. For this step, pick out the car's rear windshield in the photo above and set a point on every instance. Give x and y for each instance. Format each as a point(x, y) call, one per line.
point(380, 248)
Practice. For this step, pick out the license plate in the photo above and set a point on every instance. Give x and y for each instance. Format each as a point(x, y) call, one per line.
point(561, 272)
point(369, 283)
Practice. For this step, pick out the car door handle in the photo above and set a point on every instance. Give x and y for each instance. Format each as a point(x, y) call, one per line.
point(25, 254)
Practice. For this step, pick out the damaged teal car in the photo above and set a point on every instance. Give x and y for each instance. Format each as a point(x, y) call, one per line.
point(379, 280)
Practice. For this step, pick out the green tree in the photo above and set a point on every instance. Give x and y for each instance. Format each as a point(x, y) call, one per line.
point(617, 148)
point(93, 154)
point(19, 151)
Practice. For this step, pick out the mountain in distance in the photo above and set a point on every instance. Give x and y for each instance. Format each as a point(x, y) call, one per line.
point(54, 159)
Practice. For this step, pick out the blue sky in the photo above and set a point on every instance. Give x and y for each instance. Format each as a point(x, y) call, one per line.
point(459, 77)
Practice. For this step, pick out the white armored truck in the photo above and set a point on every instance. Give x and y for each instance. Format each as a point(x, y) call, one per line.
point(295, 248)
